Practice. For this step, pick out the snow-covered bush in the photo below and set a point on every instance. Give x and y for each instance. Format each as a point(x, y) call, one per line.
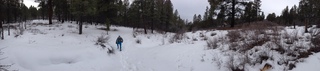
point(194, 39)
point(70, 26)
point(177, 37)
point(236, 62)
point(134, 35)
point(276, 45)
point(103, 38)
point(3, 67)
point(212, 44)
point(138, 41)
point(19, 31)
point(36, 31)
point(86, 26)
point(234, 36)
point(315, 40)
point(115, 30)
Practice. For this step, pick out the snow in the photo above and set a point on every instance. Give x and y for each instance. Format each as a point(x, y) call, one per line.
point(59, 47)
point(311, 64)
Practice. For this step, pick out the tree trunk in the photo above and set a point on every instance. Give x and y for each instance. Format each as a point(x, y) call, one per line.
point(145, 29)
point(80, 27)
point(294, 25)
point(25, 25)
point(2, 35)
point(8, 29)
point(233, 13)
point(50, 11)
point(306, 26)
point(152, 27)
point(59, 17)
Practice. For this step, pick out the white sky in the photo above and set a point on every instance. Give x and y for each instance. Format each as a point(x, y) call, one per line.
point(28, 3)
point(187, 8)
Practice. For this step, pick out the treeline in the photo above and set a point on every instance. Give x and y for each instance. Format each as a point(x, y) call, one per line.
point(306, 13)
point(228, 13)
point(147, 14)
point(14, 11)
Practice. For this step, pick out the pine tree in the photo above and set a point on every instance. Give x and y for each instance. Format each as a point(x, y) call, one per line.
point(2, 8)
point(285, 15)
point(168, 13)
point(81, 9)
point(271, 17)
point(49, 5)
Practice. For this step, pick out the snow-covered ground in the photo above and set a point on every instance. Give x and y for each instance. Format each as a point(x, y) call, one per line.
point(59, 47)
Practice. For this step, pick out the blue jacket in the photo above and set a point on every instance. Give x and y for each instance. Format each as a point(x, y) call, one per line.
point(119, 40)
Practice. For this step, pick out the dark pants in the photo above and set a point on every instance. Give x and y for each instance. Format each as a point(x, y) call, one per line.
point(119, 46)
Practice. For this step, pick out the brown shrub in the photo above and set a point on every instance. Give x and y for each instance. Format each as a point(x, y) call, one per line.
point(234, 36)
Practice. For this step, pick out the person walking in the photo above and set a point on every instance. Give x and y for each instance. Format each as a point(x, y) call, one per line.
point(119, 42)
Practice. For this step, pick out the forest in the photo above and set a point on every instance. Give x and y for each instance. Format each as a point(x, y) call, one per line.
point(156, 14)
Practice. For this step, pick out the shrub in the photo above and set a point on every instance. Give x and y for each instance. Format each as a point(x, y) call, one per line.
point(19, 31)
point(110, 50)
point(205, 38)
point(234, 36)
point(316, 44)
point(212, 44)
point(115, 30)
point(194, 39)
point(36, 31)
point(213, 34)
point(177, 37)
point(103, 38)
point(314, 32)
point(134, 34)
point(70, 26)
point(232, 63)
point(201, 35)
point(3, 67)
point(138, 41)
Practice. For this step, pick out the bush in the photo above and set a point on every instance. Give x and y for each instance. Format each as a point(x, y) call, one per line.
point(138, 41)
point(314, 32)
point(36, 31)
point(212, 44)
point(70, 26)
point(234, 36)
point(3, 67)
point(103, 38)
point(19, 31)
point(213, 34)
point(201, 35)
point(134, 35)
point(177, 37)
point(235, 64)
point(194, 39)
point(115, 30)
point(110, 50)
point(205, 38)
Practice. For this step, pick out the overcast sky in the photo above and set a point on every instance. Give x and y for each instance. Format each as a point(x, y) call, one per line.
point(187, 8)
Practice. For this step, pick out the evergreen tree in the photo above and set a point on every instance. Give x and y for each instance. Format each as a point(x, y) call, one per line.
point(33, 12)
point(168, 13)
point(285, 15)
point(271, 17)
point(81, 9)
point(49, 5)
point(2, 8)
point(292, 15)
